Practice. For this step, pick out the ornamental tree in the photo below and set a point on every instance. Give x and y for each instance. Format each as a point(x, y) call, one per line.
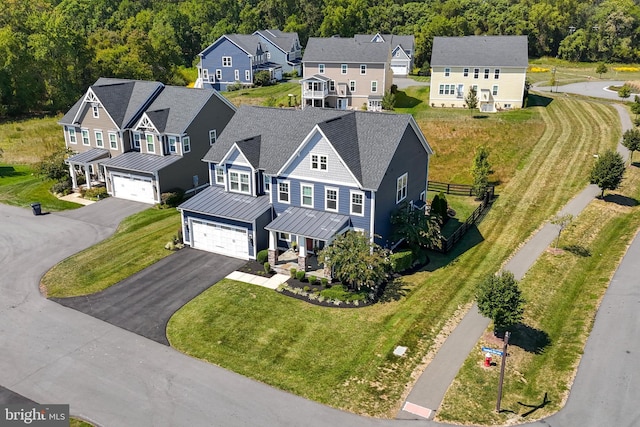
point(418, 229)
point(631, 140)
point(608, 171)
point(499, 298)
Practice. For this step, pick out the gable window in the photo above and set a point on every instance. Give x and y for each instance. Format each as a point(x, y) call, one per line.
point(186, 144)
point(357, 203)
point(465, 72)
point(306, 196)
point(226, 61)
point(486, 73)
point(476, 73)
point(99, 140)
point(72, 135)
point(331, 199)
point(239, 182)
point(332, 85)
point(447, 72)
point(318, 162)
point(236, 75)
point(496, 73)
point(352, 85)
point(113, 141)
point(151, 147)
point(283, 192)
point(320, 68)
point(374, 86)
point(247, 75)
point(219, 175)
point(85, 136)
point(172, 145)
point(96, 112)
point(136, 140)
point(363, 69)
point(343, 69)
point(401, 188)
point(494, 90)
point(213, 136)
point(218, 74)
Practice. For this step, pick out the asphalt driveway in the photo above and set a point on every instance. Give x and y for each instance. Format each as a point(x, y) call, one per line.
point(144, 302)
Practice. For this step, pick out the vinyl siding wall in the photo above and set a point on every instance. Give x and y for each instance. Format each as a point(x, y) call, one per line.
point(212, 61)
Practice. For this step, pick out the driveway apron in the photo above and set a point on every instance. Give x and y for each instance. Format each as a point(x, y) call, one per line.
point(144, 302)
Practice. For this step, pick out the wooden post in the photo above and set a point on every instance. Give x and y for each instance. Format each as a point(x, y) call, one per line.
point(502, 366)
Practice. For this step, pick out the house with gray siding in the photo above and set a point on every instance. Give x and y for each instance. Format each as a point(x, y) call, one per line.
point(402, 48)
point(283, 177)
point(141, 139)
point(283, 48)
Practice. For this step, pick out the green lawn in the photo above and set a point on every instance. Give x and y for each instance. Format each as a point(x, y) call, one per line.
point(20, 187)
point(342, 357)
point(272, 96)
point(574, 72)
point(138, 243)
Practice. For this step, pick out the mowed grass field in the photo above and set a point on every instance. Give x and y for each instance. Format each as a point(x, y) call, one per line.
point(343, 357)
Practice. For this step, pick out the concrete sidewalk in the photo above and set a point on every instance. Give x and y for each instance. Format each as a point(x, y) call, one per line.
point(428, 392)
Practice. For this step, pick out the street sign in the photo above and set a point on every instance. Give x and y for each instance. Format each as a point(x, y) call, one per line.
point(492, 351)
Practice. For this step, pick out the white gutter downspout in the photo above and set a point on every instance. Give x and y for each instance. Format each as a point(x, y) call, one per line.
point(373, 214)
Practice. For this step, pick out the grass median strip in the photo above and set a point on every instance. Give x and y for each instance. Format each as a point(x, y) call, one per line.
point(138, 243)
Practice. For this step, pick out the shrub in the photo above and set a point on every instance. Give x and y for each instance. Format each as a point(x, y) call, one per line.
point(325, 282)
point(293, 273)
point(61, 187)
point(401, 261)
point(394, 89)
point(262, 78)
point(341, 293)
point(172, 198)
point(96, 193)
point(267, 267)
point(300, 275)
point(262, 256)
point(312, 280)
point(306, 288)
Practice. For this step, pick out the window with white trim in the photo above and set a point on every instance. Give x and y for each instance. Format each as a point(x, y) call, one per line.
point(306, 195)
point(151, 147)
point(213, 136)
point(401, 188)
point(320, 68)
point(465, 72)
point(72, 135)
point(96, 111)
point(236, 75)
point(247, 75)
point(136, 140)
point(374, 86)
point(331, 199)
point(332, 85)
point(226, 61)
point(239, 182)
point(319, 162)
point(486, 73)
point(283, 192)
point(266, 183)
point(344, 68)
point(352, 86)
point(494, 90)
point(476, 73)
point(218, 74)
point(99, 139)
point(113, 141)
point(447, 89)
point(284, 236)
point(186, 144)
point(85, 137)
point(496, 73)
point(220, 175)
point(357, 203)
point(363, 69)
point(173, 149)
point(447, 72)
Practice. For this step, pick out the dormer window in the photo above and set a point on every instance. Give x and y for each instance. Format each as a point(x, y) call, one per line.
point(319, 162)
point(239, 182)
point(172, 145)
point(136, 140)
point(220, 175)
point(151, 148)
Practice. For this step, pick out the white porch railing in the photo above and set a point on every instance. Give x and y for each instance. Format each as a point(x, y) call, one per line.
point(315, 94)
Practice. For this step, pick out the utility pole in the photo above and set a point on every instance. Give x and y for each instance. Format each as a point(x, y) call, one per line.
point(502, 366)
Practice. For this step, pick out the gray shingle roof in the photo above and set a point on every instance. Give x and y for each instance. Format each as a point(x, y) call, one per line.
point(284, 41)
point(89, 156)
point(247, 42)
point(215, 201)
point(366, 141)
point(394, 40)
point(481, 51)
point(250, 148)
point(337, 49)
point(176, 107)
point(140, 162)
point(319, 225)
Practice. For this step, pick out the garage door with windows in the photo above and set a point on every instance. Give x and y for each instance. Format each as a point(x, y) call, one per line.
point(220, 238)
point(133, 187)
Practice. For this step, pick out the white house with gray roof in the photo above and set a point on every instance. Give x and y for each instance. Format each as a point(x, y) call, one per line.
point(283, 177)
point(495, 66)
point(345, 73)
point(141, 139)
point(402, 50)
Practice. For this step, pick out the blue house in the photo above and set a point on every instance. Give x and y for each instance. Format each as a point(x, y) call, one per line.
point(284, 49)
point(283, 177)
point(234, 59)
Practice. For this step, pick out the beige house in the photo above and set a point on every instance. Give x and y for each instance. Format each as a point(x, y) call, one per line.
point(345, 73)
point(495, 66)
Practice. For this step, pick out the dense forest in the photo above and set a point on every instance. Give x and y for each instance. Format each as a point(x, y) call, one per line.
point(51, 50)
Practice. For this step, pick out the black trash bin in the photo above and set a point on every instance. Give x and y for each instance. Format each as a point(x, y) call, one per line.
point(37, 208)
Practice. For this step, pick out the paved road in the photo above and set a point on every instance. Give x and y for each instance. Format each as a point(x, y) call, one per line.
point(144, 302)
point(595, 89)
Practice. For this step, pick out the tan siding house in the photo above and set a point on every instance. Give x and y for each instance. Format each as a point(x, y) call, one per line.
point(495, 66)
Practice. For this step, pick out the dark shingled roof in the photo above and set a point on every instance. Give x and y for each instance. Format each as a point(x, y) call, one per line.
point(250, 148)
point(480, 51)
point(311, 223)
point(141, 162)
point(174, 109)
point(406, 42)
point(89, 156)
point(213, 200)
point(249, 43)
point(283, 41)
point(337, 49)
point(366, 141)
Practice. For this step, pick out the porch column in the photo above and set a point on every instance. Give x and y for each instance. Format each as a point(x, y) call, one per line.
point(74, 180)
point(302, 254)
point(87, 175)
point(273, 249)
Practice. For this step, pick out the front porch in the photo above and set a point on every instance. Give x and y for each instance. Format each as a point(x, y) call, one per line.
point(288, 259)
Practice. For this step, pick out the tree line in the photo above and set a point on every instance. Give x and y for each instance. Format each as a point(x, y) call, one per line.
point(51, 50)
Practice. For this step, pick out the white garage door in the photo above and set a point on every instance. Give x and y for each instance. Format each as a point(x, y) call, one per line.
point(220, 238)
point(399, 70)
point(133, 187)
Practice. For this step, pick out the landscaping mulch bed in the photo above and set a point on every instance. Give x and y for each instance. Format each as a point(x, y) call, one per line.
point(255, 268)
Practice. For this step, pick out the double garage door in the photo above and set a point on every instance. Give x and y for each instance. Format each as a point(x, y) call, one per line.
point(133, 187)
point(220, 238)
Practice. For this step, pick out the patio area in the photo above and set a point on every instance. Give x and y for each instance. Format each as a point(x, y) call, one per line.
point(289, 259)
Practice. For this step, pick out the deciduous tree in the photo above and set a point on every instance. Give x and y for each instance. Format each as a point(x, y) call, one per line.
point(480, 170)
point(608, 171)
point(418, 229)
point(499, 298)
point(562, 222)
point(631, 140)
